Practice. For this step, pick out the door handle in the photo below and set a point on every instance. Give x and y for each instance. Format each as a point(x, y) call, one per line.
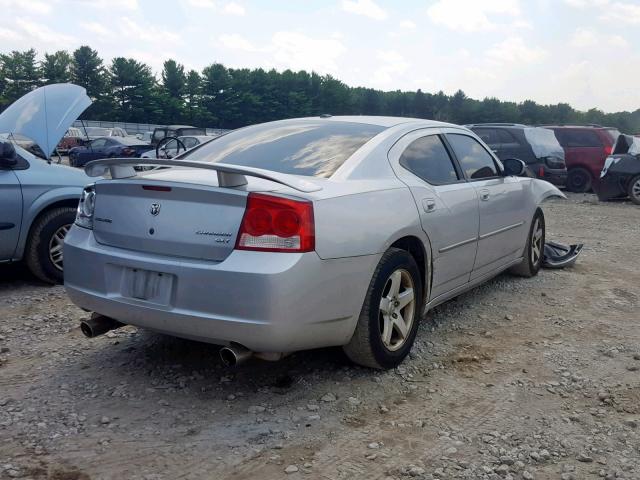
point(428, 205)
point(484, 195)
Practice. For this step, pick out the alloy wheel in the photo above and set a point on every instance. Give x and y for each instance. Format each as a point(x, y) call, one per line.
point(536, 242)
point(635, 189)
point(56, 245)
point(397, 309)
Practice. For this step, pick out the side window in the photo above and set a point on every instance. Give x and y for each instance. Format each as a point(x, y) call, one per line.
point(99, 143)
point(428, 159)
point(505, 136)
point(488, 136)
point(578, 138)
point(475, 161)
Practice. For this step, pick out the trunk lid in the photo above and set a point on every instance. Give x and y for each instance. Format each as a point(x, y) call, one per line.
point(179, 220)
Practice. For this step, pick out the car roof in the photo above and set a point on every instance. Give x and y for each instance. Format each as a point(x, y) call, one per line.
point(498, 125)
point(198, 137)
point(178, 126)
point(586, 127)
point(381, 121)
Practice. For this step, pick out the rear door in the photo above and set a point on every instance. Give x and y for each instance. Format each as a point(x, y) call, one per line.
point(447, 204)
point(10, 213)
point(501, 200)
point(583, 148)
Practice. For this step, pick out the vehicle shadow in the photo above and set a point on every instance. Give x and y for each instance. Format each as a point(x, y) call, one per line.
point(16, 275)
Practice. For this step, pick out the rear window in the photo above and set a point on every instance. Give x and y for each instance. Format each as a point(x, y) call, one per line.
point(306, 147)
point(543, 142)
point(578, 138)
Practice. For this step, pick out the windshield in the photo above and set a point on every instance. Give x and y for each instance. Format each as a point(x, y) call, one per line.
point(304, 147)
point(543, 142)
point(98, 132)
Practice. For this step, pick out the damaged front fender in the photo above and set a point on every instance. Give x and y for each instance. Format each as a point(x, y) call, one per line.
point(543, 191)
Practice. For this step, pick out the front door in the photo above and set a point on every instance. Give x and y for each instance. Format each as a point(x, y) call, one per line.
point(10, 213)
point(448, 206)
point(501, 199)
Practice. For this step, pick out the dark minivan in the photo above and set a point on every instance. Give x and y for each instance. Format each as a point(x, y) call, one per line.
point(537, 147)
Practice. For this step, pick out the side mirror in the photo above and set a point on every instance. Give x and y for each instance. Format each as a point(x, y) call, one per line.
point(514, 167)
point(7, 155)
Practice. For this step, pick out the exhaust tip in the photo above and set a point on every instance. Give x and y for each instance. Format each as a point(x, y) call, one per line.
point(228, 357)
point(86, 329)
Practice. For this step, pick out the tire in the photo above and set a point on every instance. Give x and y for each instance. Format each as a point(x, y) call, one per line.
point(367, 346)
point(55, 222)
point(579, 180)
point(633, 190)
point(532, 261)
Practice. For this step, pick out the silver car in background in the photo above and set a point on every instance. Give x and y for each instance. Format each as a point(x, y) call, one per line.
point(301, 234)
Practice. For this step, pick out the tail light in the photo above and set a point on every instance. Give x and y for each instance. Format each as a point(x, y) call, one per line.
point(86, 206)
point(541, 172)
point(608, 149)
point(276, 224)
point(128, 151)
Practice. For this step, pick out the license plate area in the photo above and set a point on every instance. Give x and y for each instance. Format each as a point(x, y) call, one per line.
point(147, 285)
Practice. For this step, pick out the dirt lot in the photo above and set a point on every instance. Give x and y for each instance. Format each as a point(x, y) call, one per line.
point(520, 378)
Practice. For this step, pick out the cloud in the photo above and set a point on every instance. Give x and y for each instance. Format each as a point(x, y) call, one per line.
point(392, 64)
point(44, 34)
point(236, 41)
point(97, 28)
point(9, 35)
point(514, 50)
point(145, 32)
point(367, 8)
point(201, 3)
point(112, 5)
point(300, 52)
point(620, 12)
point(408, 25)
point(471, 15)
point(233, 8)
point(584, 37)
point(32, 6)
point(586, 3)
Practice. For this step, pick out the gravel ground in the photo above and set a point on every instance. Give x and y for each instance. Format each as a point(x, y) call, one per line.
point(520, 378)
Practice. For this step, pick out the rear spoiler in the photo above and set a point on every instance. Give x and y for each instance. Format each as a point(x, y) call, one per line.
point(228, 175)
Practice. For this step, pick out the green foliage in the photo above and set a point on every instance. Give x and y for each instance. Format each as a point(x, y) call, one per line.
point(230, 98)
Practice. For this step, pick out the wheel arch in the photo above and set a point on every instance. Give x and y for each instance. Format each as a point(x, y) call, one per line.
point(416, 248)
point(39, 208)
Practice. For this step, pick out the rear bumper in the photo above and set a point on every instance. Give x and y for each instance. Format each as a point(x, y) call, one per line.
point(268, 302)
point(555, 177)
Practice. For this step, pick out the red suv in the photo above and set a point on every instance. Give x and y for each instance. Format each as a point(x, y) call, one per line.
point(585, 149)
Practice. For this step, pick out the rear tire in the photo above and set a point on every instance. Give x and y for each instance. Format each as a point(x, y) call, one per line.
point(389, 318)
point(534, 250)
point(633, 190)
point(579, 180)
point(43, 253)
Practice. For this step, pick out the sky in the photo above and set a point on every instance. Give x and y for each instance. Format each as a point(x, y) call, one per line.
point(582, 52)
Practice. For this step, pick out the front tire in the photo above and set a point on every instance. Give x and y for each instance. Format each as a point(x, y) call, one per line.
point(388, 321)
point(579, 180)
point(633, 190)
point(534, 250)
point(44, 245)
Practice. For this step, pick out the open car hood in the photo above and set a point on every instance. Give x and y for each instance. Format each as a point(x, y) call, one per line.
point(45, 114)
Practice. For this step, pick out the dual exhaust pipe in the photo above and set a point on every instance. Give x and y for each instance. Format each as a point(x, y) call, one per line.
point(231, 355)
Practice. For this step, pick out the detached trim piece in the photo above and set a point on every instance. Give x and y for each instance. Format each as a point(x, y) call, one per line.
point(500, 230)
point(228, 175)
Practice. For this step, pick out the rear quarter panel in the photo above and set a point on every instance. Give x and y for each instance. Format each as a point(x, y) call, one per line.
point(365, 223)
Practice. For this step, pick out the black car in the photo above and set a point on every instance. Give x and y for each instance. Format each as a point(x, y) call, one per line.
point(621, 173)
point(537, 147)
point(106, 147)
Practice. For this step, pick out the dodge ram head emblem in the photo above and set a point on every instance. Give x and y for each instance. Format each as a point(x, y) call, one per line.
point(155, 209)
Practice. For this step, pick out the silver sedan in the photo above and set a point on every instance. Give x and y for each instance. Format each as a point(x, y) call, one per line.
point(303, 233)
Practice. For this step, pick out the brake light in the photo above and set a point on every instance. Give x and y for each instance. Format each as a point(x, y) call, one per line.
point(128, 151)
point(608, 149)
point(541, 172)
point(276, 224)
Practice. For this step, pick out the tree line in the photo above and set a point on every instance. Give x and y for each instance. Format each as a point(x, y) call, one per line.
point(127, 90)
